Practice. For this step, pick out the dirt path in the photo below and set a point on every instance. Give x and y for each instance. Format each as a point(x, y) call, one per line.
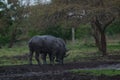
point(56, 72)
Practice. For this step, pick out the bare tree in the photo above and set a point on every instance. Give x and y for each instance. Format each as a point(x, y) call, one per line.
point(99, 24)
point(16, 12)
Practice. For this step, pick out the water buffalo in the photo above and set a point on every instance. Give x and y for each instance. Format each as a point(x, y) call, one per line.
point(46, 44)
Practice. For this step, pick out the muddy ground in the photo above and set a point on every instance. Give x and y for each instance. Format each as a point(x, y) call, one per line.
point(57, 72)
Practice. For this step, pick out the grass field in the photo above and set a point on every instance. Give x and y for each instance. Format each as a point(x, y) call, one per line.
point(78, 51)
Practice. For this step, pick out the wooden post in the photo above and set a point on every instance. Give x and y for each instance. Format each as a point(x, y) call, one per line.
point(73, 34)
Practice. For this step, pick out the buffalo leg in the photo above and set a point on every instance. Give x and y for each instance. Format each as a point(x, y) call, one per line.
point(30, 57)
point(51, 56)
point(37, 57)
point(43, 56)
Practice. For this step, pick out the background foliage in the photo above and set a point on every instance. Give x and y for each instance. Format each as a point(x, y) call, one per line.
point(21, 23)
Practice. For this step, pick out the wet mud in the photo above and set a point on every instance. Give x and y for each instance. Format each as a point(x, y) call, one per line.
point(57, 72)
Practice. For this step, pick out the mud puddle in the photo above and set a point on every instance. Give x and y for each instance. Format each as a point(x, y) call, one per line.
point(57, 72)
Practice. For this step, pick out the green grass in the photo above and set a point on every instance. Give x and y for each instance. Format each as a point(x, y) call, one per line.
point(113, 47)
point(17, 50)
point(7, 55)
point(79, 51)
point(86, 52)
point(107, 72)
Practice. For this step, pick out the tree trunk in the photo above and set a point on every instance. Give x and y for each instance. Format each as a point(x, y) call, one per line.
point(96, 35)
point(13, 37)
point(0, 47)
point(103, 44)
point(97, 42)
point(99, 35)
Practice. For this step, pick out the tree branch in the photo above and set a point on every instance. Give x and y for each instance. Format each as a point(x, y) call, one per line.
point(108, 23)
point(97, 23)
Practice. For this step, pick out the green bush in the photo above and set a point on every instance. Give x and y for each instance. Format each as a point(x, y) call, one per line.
point(4, 39)
point(58, 31)
point(114, 28)
point(33, 33)
point(83, 31)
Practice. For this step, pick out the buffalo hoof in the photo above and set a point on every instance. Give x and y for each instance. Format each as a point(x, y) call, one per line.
point(44, 63)
point(39, 64)
point(52, 63)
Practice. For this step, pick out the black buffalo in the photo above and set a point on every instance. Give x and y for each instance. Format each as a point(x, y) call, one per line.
point(46, 44)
